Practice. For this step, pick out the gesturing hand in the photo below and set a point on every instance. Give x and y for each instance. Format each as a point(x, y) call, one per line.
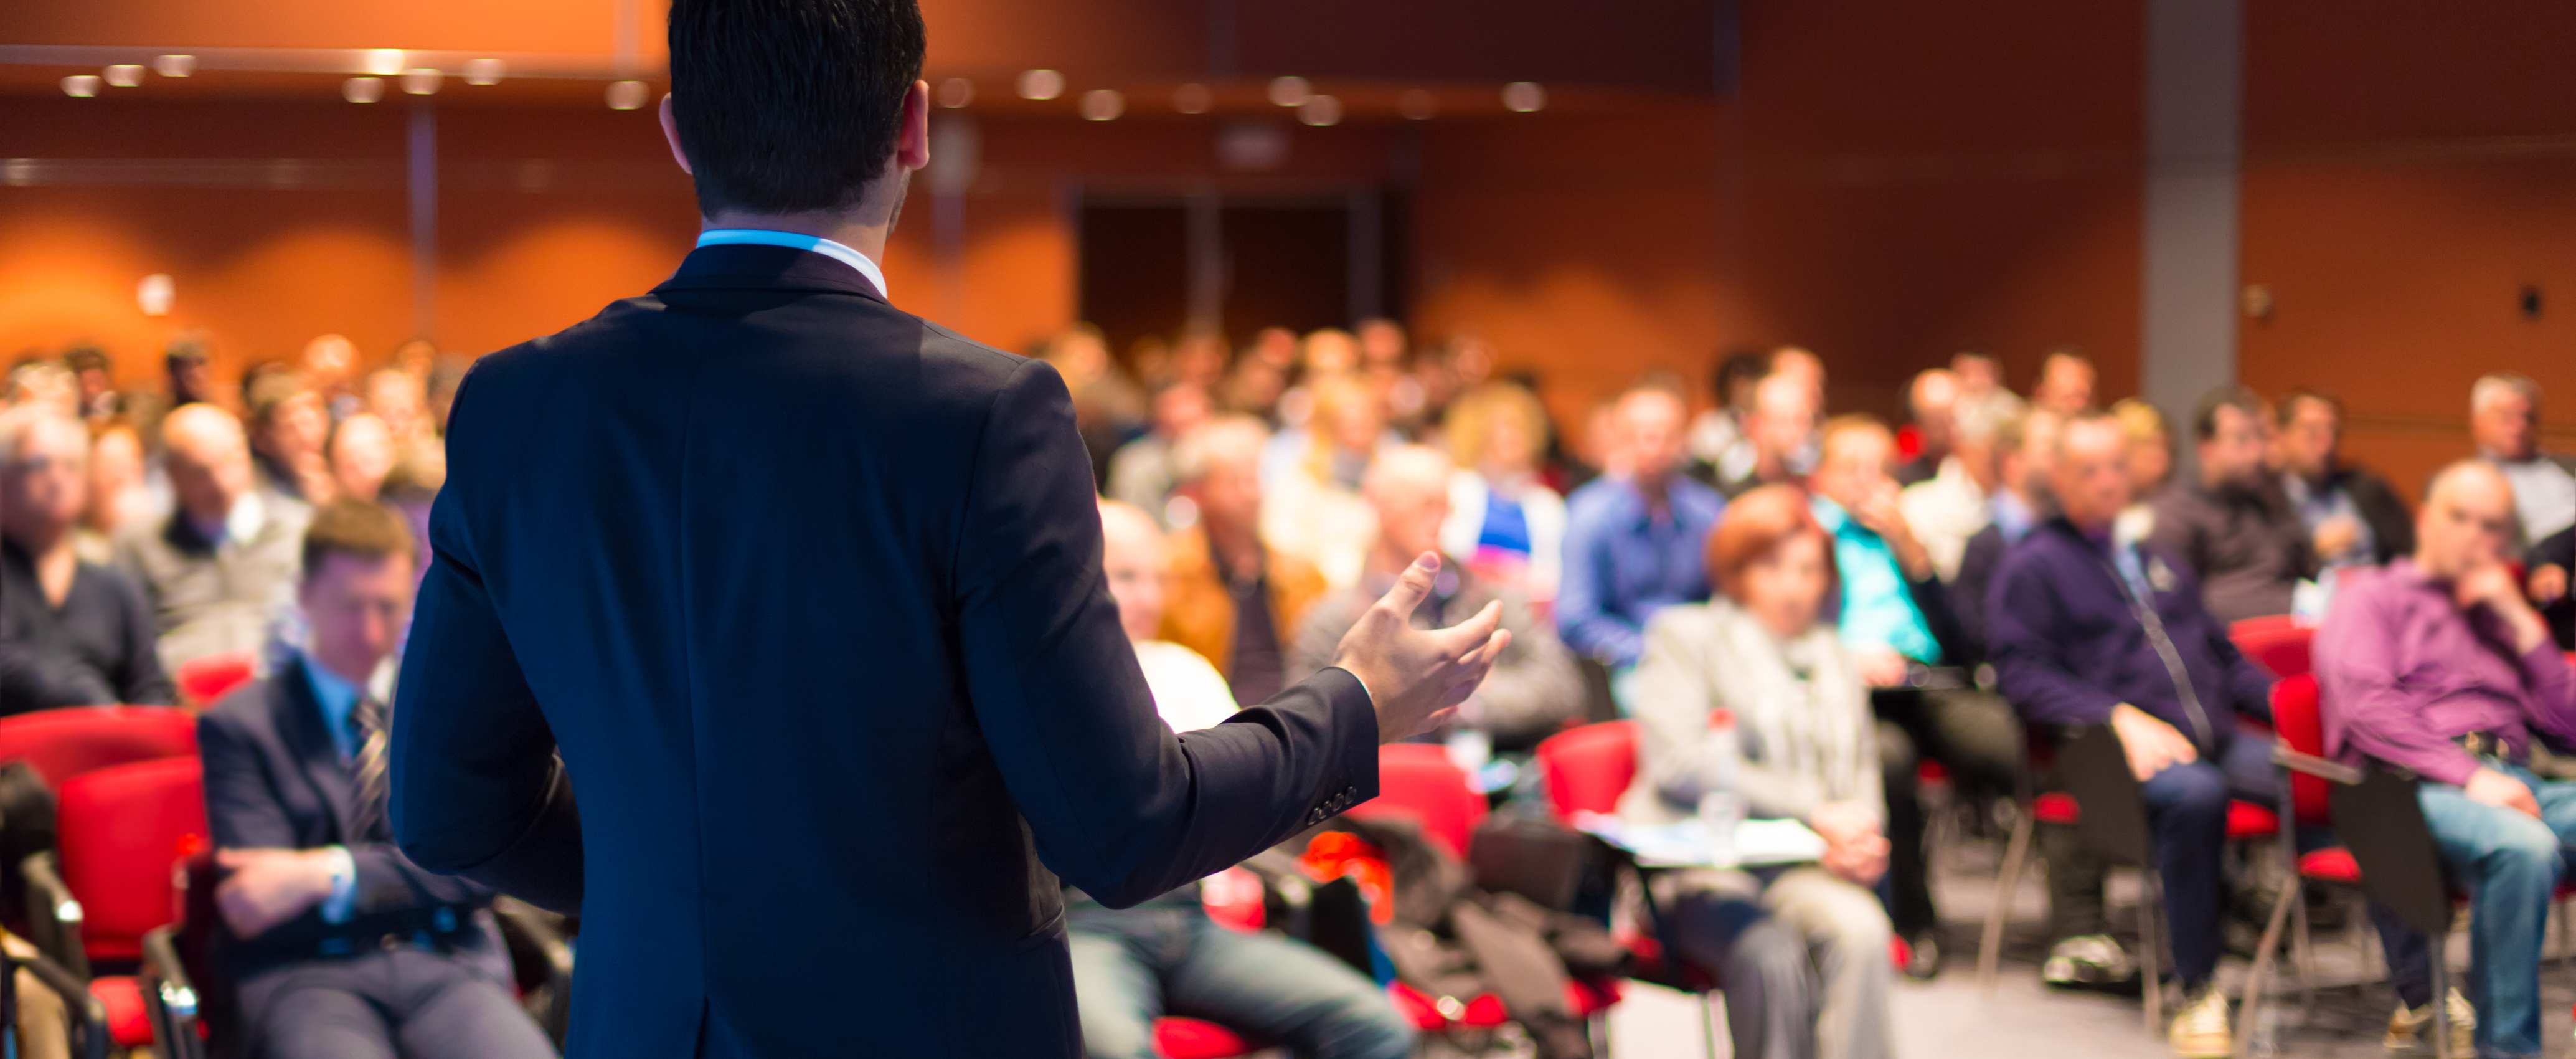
point(1415, 675)
point(2152, 745)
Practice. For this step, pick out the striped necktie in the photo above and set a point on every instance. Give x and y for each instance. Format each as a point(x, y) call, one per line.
point(368, 823)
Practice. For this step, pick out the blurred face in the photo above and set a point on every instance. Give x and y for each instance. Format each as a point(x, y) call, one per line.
point(45, 485)
point(1978, 376)
point(396, 398)
point(2091, 476)
point(327, 359)
point(1509, 446)
point(2467, 523)
point(361, 454)
point(1786, 585)
point(1179, 410)
point(189, 378)
point(356, 606)
point(1802, 366)
point(2508, 426)
point(2027, 468)
point(1382, 343)
point(1357, 423)
point(1229, 495)
point(1650, 426)
point(208, 462)
point(1410, 508)
point(1854, 471)
point(2307, 445)
point(2150, 460)
point(1936, 395)
point(2234, 453)
point(1331, 353)
point(1783, 416)
point(1132, 557)
point(298, 427)
point(115, 466)
point(2065, 384)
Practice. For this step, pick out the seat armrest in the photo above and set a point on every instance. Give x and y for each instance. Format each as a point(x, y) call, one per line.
point(2313, 765)
point(88, 1013)
point(537, 930)
point(53, 916)
point(169, 998)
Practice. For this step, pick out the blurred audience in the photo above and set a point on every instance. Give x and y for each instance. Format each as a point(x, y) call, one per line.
point(1981, 383)
point(2438, 666)
point(1108, 409)
point(1932, 404)
point(1950, 503)
point(2025, 446)
point(2151, 460)
point(1234, 600)
point(1533, 689)
point(1719, 444)
point(225, 558)
point(2353, 517)
point(1314, 511)
point(1635, 542)
point(361, 452)
point(1803, 952)
point(1777, 436)
point(116, 496)
point(72, 633)
point(2065, 383)
point(1188, 692)
point(1140, 474)
point(2504, 421)
point(1502, 520)
point(333, 942)
point(289, 428)
point(2091, 629)
point(2244, 543)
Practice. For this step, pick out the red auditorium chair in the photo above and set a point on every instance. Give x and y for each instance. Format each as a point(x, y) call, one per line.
point(2278, 643)
point(203, 680)
point(67, 742)
point(1587, 769)
point(108, 882)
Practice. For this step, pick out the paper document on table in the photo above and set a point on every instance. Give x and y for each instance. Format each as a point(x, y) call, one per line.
point(1684, 843)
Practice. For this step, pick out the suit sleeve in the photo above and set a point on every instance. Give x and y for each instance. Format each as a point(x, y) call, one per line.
point(477, 789)
point(1118, 805)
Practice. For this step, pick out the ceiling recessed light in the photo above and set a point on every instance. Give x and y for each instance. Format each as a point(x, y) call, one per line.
point(484, 71)
point(1524, 96)
point(422, 81)
point(124, 75)
point(1041, 84)
point(175, 65)
point(81, 86)
point(1193, 99)
point(382, 62)
point(363, 89)
point(1103, 104)
point(1320, 110)
point(626, 95)
point(1289, 91)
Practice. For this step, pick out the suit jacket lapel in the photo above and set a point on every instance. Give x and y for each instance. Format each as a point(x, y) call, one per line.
point(308, 737)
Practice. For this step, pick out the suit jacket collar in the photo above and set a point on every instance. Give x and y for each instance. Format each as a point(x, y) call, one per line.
point(753, 266)
point(308, 736)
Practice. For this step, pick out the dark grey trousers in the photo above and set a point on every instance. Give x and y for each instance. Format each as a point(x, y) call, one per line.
point(405, 1002)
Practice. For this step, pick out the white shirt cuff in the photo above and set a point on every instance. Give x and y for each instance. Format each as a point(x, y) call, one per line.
point(344, 886)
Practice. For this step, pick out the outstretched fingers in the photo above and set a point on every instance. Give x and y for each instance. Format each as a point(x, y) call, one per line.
point(1411, 588)
point(1456, 640)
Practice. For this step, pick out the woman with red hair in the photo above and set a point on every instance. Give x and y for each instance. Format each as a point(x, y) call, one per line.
point(1803, 950)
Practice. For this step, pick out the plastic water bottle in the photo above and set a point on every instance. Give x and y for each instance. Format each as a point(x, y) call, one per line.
point(1720, 808)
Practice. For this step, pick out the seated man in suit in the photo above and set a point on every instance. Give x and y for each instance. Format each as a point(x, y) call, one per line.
point(2437, 665)
point(336, 944)
point(71, 634)
point(1130, 965)
point(1534, 688)
point(2091, 628)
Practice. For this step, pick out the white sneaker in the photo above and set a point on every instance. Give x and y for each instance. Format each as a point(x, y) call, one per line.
point(2412, 1031)
point(2200, 1028)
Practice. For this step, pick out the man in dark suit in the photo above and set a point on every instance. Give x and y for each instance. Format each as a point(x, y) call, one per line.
point(335, 944)
point(803, 596)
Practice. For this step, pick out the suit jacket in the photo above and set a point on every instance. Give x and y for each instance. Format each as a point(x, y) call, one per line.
point(806, 594)
point(275, 778)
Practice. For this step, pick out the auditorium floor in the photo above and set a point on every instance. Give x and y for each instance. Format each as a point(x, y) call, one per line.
point(1951, 1017)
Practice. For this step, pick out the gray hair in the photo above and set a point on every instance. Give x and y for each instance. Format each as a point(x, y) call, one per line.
point(2496, 386)
point(16, 423)
point(1197, 450)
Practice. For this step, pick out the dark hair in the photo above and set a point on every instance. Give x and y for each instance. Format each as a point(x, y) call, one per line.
point(86, 356)
point(1748, 365)
point(2290, 404)
point(2204, 416)
point(356, 529)
point(786, 106)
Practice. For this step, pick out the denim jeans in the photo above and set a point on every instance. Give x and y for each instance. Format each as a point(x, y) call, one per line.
point(2511, 864)
point(1133, 966)
point(2187, 810)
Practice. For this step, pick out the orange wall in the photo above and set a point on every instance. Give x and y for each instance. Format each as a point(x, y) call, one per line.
point(2409, 170)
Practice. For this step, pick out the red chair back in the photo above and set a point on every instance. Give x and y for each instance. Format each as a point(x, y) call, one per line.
point(68, 742)
point(1418, 780)
point(205, 679)
point(1589, 768)
point(123, 828)
point(2278, 643)
point(2294, 717)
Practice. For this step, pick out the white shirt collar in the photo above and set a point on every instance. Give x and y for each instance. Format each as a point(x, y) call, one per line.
point(840, 252)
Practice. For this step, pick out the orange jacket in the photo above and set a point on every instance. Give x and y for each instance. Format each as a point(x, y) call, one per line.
point(1198, 611)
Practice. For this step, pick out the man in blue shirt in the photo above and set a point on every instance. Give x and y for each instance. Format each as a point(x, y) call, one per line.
point(1633, 540)
point(334, 942)
point(1897, 623)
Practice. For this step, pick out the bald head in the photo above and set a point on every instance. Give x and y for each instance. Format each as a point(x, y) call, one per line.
point(1131, 556)
point(2467, 520)
point(1408, 486)
point(1934, 400)
point(208, 460)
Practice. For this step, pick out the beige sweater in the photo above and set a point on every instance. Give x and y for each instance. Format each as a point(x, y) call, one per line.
point(1802, 718)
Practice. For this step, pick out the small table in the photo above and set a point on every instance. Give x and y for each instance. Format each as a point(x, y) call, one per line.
point(1684, 843)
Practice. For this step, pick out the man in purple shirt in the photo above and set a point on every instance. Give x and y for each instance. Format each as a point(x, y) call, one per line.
point(2436, 664)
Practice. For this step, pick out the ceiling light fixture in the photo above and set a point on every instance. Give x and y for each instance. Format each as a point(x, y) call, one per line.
point(956, 92)
point(485, 71)
point(1193, 99)
point(124, 75)
point(81, 86)
point(1041, 84)
point(363, 89)
point(1320, 110)
point(626, 95)
point(422, 81)
point(1524, 96)
point(1103, 104)
point(382, 62)
point(174, 65)
point(1290, 91)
